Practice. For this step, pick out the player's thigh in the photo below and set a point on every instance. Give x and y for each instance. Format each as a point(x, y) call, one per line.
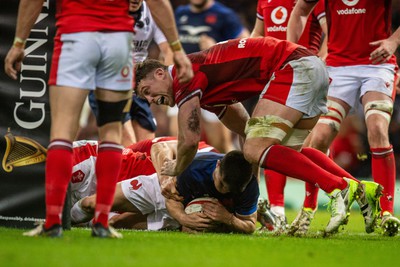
point(66, 105)
point(121, 203)
point(266, 107)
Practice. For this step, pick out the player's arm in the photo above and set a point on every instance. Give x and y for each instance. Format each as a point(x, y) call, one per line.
point(323, 50)
point(166, 53)
point(161, 153)
point(385, 48)
point(298, 19)
point(163, 15)
point(196, 221)
point(258, 30)
point(28, 12)
point(235, 118)
point(188, 136)
point(237, 223)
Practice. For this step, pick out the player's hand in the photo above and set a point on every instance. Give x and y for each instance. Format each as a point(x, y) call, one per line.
point(198, 221)
point(168, 168)
point(168, 189)
point(13, 61)
point(206, 42)
point(217, 212)
point(384, 52)
point(183, 66)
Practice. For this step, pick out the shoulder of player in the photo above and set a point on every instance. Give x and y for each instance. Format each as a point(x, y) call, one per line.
point(222, 9)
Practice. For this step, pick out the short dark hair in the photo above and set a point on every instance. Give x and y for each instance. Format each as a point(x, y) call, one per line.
point(236, 171)
point(142, 69)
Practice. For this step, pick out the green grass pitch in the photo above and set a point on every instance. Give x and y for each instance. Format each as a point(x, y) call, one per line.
point(351, 247)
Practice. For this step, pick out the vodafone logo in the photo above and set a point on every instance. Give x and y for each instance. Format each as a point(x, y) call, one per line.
point(280, 14)
point(350, 2)
point(125, 71)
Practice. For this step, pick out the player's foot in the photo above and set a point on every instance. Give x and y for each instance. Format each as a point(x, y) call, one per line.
point(340, 204)
point(390, 225)
point(301, 223)
point(368, 200)
point(98, 230)
point(54, 231)
point(281, 225)
point(264, 215)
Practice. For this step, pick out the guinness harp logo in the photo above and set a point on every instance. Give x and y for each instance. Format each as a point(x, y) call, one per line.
point(21, 151)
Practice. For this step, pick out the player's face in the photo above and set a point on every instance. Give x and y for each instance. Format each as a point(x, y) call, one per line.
point(155, 89)
point(199, 3)
point(134, 5)
point(219, 183)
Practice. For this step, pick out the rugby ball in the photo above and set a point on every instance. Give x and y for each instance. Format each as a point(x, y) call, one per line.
point(196, 205)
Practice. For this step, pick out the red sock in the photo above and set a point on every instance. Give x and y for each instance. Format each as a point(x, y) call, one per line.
point(275, 183)
point(311, 197)
point(107, 170)
point(294, 164)
point(322, 160)
point(58, 175)
point(384, 173)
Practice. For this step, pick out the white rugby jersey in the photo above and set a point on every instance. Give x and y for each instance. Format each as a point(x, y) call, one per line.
point(146, 30)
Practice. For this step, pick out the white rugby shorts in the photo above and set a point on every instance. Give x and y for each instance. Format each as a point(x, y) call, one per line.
point(350, 83)
point(144, 193)
point(91, 60)
point(301, 84)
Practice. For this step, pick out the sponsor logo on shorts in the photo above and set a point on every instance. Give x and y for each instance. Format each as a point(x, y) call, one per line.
point(135, 184)
point(125, 71)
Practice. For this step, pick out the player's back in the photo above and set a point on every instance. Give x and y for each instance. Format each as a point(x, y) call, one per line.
point(92, 15)
point(234, 70)
point(197, 179)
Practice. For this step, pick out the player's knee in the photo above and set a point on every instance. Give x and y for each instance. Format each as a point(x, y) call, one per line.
point(111, 111)
point(334, 117)
point(379, 109)
point(378, 135)
point(269, 126)
point(248, 152)
point(320, 142)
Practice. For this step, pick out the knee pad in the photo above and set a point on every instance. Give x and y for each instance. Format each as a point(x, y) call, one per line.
point(270, 126)
point(380, 107)
point(112, 111)
point(335, 115)
point(296, 137)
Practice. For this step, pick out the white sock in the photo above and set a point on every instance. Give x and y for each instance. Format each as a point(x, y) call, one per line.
point(278, 210)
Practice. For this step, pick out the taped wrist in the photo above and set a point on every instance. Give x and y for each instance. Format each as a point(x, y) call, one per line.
point(110, 111)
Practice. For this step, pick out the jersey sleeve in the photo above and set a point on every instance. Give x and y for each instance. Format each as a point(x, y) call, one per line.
point(319, 10)
point(194, 88)
point(260, 14)
point(247, 203)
